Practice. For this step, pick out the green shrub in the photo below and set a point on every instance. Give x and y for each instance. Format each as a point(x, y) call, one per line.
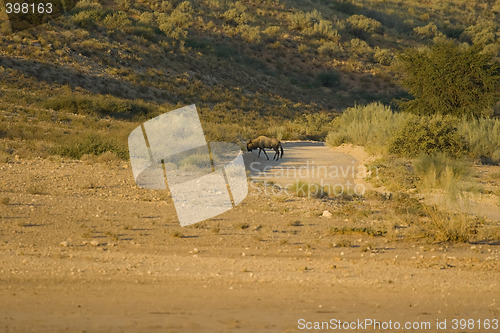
point(176, 24)
point(360, 23)
point(427, 31)
point(236, 15)
point(272, 31)
point(124, 4)
point(303, 21)
point(330, 49)
point(117, 21)
point(372, 124)
point(424, 17)
point(249, 33)
point(361, 48)
point(407, 135)
point(383, 56)
point(482, 33)
point(450, 79)
point(5, 27)
point(99, 105)
point(323, 28)
point(312, 126)
point(91, 144)
point(298, 21)
point(314, 16)
point(303, 48)
point(147, 18)
point(88, 18)
point(93, 44)
point(428, 135)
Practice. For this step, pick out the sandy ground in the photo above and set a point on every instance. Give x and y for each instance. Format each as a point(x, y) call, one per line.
point(82, 249)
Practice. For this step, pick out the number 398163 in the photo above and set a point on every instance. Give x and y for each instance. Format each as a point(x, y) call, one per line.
point(28, 8)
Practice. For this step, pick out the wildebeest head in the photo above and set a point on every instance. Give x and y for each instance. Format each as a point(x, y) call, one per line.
point(249, 145)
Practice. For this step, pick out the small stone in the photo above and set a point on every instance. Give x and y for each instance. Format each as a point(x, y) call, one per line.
point(65, 244)
point(94, 243)
point(327, 214)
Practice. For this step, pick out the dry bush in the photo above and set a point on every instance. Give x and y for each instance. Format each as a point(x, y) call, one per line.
point(449, 227)
point(373, 124)
point(440, 171)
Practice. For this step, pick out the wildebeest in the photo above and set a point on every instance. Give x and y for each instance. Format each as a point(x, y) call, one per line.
point(263, 142)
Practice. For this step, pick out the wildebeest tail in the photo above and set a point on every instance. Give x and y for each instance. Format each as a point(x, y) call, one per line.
point(281, 147)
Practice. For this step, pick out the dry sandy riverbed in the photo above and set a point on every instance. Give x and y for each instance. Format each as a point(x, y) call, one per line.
point(82, 249)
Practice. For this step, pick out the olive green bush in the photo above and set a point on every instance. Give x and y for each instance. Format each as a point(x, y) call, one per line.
point(427, 135)
point(360, 24)
point(91, 145)
point(370, 125)
point(450, 79)
point(176, 24)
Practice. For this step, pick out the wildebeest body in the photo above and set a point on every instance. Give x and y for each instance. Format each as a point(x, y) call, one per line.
point(263, 142)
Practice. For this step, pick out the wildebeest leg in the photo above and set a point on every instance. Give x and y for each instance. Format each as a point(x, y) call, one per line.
point(264, 150)
point(276, 154)
point(260, 149)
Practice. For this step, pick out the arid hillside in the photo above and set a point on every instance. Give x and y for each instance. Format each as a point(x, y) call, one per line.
point(281, 67)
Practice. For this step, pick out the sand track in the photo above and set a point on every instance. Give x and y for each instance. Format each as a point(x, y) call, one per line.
point(311, 162)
